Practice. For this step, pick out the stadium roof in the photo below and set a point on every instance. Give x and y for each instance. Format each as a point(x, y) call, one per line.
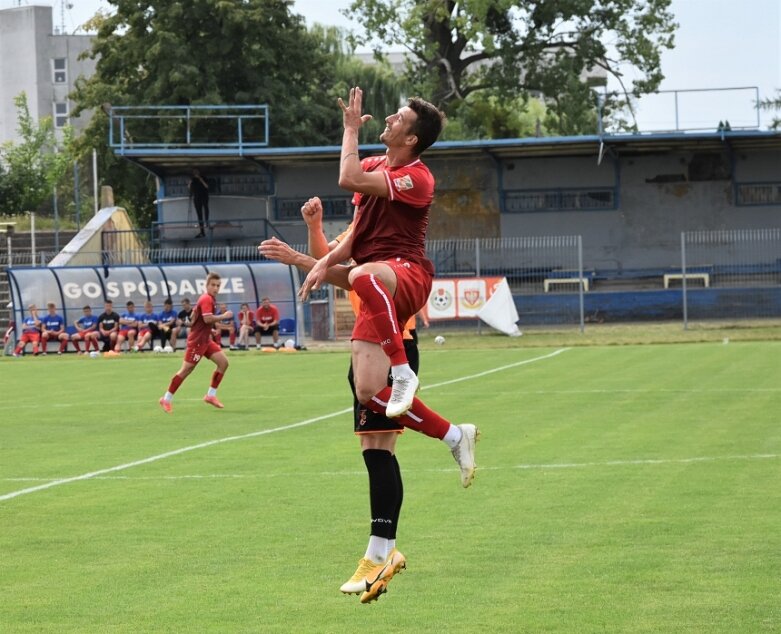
point(176, 159)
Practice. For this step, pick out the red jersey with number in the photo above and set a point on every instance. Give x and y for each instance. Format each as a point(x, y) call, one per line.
point(200, 331)
point(386, 228)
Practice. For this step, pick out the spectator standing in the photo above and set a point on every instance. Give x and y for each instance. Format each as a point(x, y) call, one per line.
point(108, 326)
point(199, 194)
point(53, 327)
point(86, 331)
point(31, 332)
point(266, 322)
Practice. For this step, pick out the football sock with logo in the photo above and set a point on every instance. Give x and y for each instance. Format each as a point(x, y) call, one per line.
point(378, 301)
point(419, 417)
point(383, 499)
point(399, 500)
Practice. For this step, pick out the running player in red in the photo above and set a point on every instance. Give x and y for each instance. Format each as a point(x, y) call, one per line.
point(200, 344)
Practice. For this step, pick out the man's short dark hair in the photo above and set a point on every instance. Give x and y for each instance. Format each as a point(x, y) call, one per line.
point(429, 124)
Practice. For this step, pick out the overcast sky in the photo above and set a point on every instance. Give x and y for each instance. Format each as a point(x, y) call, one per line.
point(720, 44)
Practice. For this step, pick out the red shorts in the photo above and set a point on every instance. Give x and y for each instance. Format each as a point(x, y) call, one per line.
point(30, 337)
point(49, 334)
point(194, 354)
point(143, 331)
point(85, 334)
point(125, 332)
point(413, 286)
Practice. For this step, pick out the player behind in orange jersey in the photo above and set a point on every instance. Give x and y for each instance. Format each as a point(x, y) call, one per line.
point(200, 344)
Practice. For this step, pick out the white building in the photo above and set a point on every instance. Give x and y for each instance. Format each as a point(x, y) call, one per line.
point(44, 65)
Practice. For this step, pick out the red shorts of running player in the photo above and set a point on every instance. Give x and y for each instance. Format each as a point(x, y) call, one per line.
point(194, 354)
point(413, 286)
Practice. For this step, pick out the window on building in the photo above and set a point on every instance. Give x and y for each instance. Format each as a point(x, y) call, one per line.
point(60, 114)
point(60, 70)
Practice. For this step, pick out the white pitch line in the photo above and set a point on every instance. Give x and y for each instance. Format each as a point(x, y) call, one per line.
point(529, 467)
point(210, 443)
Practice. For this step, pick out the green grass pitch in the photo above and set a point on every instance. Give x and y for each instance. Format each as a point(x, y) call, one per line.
point(620, 489)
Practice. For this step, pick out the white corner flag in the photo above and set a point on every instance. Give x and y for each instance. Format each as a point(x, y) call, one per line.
point(499, 312)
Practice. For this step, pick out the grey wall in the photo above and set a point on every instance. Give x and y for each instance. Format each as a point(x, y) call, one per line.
point(644, 231)
point(27, 47)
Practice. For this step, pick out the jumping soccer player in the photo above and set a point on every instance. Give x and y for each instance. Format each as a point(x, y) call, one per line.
point(200, 344)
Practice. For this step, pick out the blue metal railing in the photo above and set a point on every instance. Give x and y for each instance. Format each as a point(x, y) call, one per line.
point(188, 127)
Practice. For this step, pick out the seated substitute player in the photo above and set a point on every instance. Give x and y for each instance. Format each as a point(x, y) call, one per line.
point(227, 325)
point(167, 324)
point(182, 327)
point(108, 326)
point(392, 277)
point(86, 331)
point(128, 328)
point(31, 332)
point(148, 327)
point(246, 325)
point(200, 344)
point(53, 327)
point(266, 322)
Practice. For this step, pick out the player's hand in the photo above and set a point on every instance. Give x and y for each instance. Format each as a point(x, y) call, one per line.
point(228, 314)
point(275, 249)
point(351, 113)
point(312, 212)
point(314, 280)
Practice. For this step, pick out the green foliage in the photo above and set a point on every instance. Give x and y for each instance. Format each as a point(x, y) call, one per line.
point(506, 50)
point(773, 104)
point(35, 165)
point(206, 52)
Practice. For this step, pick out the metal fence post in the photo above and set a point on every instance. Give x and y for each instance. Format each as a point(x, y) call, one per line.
point(581, 284)
point(683, 282)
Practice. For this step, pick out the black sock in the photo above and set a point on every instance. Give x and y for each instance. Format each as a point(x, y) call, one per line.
point(399, 495)
point(383, 491)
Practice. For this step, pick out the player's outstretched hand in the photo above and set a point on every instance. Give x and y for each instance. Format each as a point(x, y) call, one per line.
point(351, 113)
point(314, 279)
point(275, 249)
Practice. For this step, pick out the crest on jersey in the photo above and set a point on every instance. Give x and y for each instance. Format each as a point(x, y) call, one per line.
point(404, 182)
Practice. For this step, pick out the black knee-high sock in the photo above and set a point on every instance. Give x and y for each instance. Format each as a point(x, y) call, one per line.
point(383, 491)
point(399, 496)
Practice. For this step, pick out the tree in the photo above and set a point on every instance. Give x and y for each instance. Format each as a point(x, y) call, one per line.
point(505, 49)
point(36, 164)
point(205, 52)
point(773, 104)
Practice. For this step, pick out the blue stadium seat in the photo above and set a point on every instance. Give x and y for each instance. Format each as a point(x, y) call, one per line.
point(287, 326)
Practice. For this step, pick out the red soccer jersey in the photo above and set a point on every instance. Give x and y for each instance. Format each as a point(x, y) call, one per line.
point(200, 331)
point(268, 315)
point(386, 228)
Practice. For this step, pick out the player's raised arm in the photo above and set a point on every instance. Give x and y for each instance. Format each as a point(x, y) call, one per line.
point(351, 174)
